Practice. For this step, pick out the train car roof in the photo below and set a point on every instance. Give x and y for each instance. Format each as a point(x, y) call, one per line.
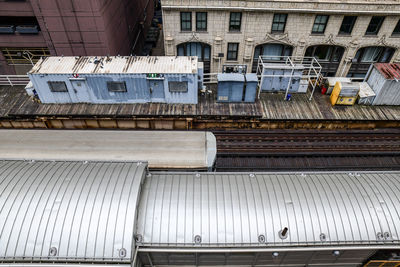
point(68, 211)
point(161, 149)
point(261, 210)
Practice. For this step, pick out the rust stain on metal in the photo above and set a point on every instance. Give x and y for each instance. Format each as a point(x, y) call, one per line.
point(390, 71)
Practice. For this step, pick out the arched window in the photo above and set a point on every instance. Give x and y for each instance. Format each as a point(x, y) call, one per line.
point(272, 51)
point(329, 57)
point(201, 50)
point(366, 56)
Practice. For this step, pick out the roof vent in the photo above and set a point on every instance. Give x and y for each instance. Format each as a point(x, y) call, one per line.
point(122, 253)
point(138, 238)
point(283, 234)
point(197, 239)
point(322, 237)
point(379, 236)
point(261, 238)
point(53, 251)
point(386, 235)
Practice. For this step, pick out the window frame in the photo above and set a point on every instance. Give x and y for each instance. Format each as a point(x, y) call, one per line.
point(319, 24)
point(50, 84)
point(116, 91)
point(178, 91)
point(351, 25)
point(229, 52)
point(379, 25)
point(205, 21)
point(188, 29)
point(232, 27)
point(396, 30)
point(279, 23)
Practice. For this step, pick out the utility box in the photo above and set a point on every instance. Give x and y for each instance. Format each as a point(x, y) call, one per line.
point(331, 82)
point(384, 80)
point(120, 79)
point(344, 93)
point(251, 84)
point(366, 95)
point(235, 87)
point(276, 77)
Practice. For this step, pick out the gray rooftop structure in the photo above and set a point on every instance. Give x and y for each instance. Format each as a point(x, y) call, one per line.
point(225, 210)
point(68, 211)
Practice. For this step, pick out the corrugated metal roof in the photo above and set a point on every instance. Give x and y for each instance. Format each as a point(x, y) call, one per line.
point(68, 211)
point(391, 71)
point(115, 64)
point(237, 210)
point(230, 77)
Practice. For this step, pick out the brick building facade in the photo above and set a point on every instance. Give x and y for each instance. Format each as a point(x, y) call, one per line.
point(33, 28)
point(346, 35)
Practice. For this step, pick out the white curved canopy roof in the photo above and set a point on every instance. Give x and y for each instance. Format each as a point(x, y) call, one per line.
point(242, 210)
point(68, 211)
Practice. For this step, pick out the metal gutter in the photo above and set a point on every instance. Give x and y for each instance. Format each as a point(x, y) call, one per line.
point(258, 249)
point(289, 10)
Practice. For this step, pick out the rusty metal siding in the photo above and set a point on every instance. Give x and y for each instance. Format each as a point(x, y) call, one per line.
point(252, 210)
point(80, 211)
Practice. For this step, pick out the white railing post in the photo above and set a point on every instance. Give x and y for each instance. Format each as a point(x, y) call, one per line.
point(9, 81)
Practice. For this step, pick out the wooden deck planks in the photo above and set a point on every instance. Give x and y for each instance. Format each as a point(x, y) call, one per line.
point(15, 102)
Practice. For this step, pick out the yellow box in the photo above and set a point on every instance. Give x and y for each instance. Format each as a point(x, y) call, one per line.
point(344, 93)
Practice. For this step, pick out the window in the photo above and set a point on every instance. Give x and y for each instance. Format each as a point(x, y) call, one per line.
point(235, 21)
point(347, 24)
point(58, 86)
point(374, 25)
point(178, 87)
point(279, 23)
point(201, 21)
point(232, 51)
point(116, 86)
point(396, 30)
point(320, 23)
point(186, 21)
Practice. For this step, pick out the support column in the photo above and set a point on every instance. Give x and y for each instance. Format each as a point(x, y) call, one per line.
point(217, 62)
point(347, 59)
point(170, 49)
point(248, 53)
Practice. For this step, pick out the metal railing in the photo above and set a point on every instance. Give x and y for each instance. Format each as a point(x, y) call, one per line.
point(378, 263)
point(13, 80)
point(209, 78)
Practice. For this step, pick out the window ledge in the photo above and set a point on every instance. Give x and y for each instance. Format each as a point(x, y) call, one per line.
point(277, 33)
point(344, 35)
point(201, 31)
point(370, 35)
point(232, 61)
point(317, 34)
point(395, 35)
point(234, 32)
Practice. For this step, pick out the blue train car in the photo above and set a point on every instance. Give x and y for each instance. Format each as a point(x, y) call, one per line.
point(107, 80)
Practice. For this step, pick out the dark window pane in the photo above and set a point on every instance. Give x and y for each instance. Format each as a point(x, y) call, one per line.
point(181, 87)
point(279, 23)
point(320, 24)
point(375, 25)
point(186, 21)
point(235, 21)
point(232, 51)
point(347, 24)
point(57, 87)
point(201, 21)
point(396, 30)
point(116, 86)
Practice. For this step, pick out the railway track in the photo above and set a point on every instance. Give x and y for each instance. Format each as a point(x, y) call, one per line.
point(289, 150)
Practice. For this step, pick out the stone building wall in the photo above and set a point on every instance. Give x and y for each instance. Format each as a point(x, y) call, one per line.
point(256, 25)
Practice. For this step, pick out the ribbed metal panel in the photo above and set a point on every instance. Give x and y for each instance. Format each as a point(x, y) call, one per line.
point(238, 210)
point(68, 211)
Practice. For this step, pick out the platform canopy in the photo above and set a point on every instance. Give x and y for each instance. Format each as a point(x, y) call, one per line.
point(269, 210)
point(80, 212)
